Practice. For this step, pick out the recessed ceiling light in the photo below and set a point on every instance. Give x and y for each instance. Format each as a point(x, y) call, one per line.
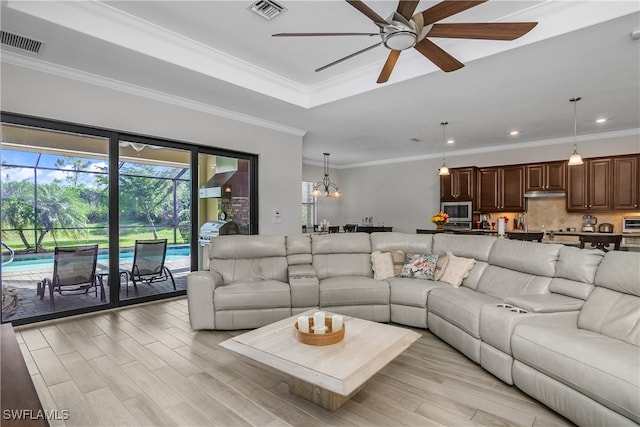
point(514, 133)
point(450, 141)
point(601, 120)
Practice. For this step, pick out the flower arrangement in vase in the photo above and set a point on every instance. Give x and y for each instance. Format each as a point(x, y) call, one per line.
point(439, 219)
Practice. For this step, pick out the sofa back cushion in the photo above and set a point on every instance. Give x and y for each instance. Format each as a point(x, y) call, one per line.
point(343, 254)
point(249, 258)
point(462, 245)
point(247, 247)
point(299, 249)
point(501, 282)
point(527, 257)
point(575, 272)
point(407, 243)
point(613, 308)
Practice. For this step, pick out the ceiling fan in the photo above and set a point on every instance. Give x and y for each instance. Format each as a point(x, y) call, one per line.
point(404, 29)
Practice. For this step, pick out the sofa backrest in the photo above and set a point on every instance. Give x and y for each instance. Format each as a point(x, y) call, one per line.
point(341, 254)
point(407, 243)
point(613, 308)
point(519, 268)
point(249, 258)
point(466, 246)
point(576, 272)
point(299, 249)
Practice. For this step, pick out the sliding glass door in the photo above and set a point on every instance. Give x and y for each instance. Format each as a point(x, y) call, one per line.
point(155, 218)
point(54, 199)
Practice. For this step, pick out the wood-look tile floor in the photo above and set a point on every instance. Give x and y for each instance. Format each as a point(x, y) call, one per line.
point(144, 366)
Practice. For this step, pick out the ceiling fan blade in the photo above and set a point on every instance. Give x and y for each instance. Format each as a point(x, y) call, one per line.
point(485, 31)
point(447, 8)
point(406, 8)
point(388, 66)
point(438, 56)
point(322, 34)
point(365, 10)
point(348, 57)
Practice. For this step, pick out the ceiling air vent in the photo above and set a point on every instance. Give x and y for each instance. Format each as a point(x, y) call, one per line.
point(268, 9)
point(20, 42)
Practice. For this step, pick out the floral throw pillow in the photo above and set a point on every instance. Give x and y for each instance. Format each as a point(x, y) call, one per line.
point(420, 266)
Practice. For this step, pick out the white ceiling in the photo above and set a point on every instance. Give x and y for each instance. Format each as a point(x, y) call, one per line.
point(220, 56)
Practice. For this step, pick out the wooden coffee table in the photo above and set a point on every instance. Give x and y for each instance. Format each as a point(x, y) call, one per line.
point(326, 375)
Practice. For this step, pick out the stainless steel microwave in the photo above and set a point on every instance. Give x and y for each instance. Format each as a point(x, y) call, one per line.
point(457, 211)
point(631, 224)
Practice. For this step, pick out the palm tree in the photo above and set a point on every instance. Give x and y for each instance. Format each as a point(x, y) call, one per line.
point(18, 213)
point(60, 208)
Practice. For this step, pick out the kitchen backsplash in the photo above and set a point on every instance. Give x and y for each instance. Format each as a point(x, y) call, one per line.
point(552, 214)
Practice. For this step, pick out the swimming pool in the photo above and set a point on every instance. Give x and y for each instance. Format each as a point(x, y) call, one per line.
point(22, 263)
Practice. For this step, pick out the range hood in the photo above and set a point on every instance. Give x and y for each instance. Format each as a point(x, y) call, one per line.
point(544, 194)
point(218, 185)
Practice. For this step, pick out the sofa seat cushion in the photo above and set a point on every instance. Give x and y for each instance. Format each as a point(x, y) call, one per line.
point(252, 295)
point(353, 290)
point(460, 307)
point(412, 292)
point(603, 368)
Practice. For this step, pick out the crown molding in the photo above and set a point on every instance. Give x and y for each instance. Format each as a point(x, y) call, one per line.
point(94, 79)
point(495, 148)
point(112, 25)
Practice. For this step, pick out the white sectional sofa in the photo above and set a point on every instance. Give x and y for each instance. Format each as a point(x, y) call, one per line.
point(561, 323)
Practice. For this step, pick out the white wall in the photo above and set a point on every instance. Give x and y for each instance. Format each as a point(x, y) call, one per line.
point(406, 195)
point(35, 93)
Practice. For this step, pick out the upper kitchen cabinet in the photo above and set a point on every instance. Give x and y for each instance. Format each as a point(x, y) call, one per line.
point(625, 183)
point(501, 189)
point(589, 186)
point(459, 185)
point(546, 176)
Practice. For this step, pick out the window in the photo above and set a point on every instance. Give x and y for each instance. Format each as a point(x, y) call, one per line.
point(309, 207)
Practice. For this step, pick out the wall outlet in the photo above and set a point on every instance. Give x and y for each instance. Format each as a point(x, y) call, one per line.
point(277, 218)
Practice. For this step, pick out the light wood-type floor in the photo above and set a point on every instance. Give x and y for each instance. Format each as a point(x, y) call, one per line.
point(144, 365)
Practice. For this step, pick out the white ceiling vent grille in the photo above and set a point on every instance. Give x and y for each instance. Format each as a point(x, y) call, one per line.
point(20, 42)
point(268, 9)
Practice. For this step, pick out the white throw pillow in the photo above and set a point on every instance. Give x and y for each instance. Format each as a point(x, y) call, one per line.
point(382, 265)
point(457, 269)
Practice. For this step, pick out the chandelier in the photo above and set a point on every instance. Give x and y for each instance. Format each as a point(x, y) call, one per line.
point(326, 188)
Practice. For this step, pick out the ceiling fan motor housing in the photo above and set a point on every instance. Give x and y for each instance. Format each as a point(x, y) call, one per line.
point(399, 34)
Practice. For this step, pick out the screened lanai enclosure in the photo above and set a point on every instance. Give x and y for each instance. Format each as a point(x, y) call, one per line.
point(58, 190)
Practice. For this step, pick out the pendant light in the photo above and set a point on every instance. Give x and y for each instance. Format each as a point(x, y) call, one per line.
point(326, 188)
point(444, 170)
point(575, 159)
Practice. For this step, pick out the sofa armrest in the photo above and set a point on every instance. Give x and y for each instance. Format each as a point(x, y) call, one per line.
point(305, 288)
point(545, 303)
point(200, 287)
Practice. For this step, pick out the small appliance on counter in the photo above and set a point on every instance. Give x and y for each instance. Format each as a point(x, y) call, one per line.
point(631, 224)
point(605, 227)
point(485, 221)
point(588, 223)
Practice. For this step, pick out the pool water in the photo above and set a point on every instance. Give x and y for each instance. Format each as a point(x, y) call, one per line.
point(23, 263)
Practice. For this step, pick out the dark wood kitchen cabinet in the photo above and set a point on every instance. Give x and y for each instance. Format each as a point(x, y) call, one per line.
point(626, 186)
point(548, 176)
point(589, 186)
point(459, 185)
point(501, 189)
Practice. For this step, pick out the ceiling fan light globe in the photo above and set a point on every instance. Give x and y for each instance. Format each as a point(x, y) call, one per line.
point(399, 40)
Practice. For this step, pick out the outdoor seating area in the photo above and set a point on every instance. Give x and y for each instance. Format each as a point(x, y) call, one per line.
point(22, 286)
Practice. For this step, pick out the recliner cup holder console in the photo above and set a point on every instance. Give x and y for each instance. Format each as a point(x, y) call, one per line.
point(512, 308)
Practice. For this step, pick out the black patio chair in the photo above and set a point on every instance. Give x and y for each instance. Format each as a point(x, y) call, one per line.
point(148, 264)
point(74, 272)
